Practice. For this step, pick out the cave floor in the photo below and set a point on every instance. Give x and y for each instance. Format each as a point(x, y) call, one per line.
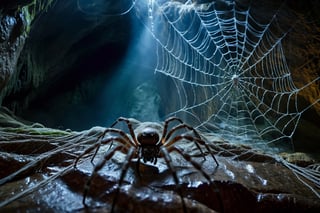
point(38, 173)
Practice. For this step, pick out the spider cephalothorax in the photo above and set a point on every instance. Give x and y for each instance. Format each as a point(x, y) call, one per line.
point(149, 144)
point(146, 141)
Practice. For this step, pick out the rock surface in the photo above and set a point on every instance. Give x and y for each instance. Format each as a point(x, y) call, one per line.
point(43, 177)
point(12, 39)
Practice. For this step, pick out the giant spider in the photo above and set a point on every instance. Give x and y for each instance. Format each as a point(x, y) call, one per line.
point(147, 141)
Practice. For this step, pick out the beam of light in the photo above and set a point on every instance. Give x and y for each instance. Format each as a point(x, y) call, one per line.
point(131, 89)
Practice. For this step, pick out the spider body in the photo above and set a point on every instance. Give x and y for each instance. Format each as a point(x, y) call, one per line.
point(149, 145)
point(146, 141)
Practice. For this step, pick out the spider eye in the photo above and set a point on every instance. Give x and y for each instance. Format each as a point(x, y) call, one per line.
point(148, 137)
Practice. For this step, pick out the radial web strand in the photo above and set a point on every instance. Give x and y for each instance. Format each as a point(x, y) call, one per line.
point(227, 68)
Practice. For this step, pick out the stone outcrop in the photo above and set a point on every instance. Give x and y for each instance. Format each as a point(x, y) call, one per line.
point(43, 175)
point(13, 26)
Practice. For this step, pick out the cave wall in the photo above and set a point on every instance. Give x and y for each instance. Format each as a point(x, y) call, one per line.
point(64, 67)
point(13, 25)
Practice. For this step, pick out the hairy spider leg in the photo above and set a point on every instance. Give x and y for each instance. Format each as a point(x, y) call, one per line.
point(124, 169)
point(188, 158)
point(171, 147)
point(197, 166)
point(197, 140)
point(168, 160)
point(111, 130)
point(126, 141)
point(99, 166)
point(165, 127)
point(166, 136)
point(129, 125)
point(88, 150)
point(185, 126)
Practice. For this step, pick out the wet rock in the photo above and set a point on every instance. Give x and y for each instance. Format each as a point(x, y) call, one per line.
point(298, 158)
point(237, 186)
point(16, 162)
point(254, 182)
point(12, 39)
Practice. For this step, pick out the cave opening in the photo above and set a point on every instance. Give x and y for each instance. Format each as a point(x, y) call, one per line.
point(92, 64)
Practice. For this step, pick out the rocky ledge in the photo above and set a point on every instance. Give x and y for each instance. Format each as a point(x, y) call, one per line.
point(43, 176)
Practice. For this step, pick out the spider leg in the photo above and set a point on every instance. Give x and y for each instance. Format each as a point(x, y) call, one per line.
point(165, 127)
point(202, 142)
point(165, 137)
point(118, 131)
point(124, 170)
point(88, 150)
point(197, 166)
point(188, 158)
point(197, 141)
point(125, 141)
point(129, 125)
point(185, 126)
point(106, 157)
point(168, 160)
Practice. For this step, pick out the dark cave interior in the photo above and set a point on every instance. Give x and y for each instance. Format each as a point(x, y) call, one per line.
point(92, 58)
point(91, 61)
point(73, 67)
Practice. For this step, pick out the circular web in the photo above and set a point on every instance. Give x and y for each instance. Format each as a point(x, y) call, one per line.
point(228, 68)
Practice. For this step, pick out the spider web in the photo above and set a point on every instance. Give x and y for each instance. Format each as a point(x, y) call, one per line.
point(226, 68)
